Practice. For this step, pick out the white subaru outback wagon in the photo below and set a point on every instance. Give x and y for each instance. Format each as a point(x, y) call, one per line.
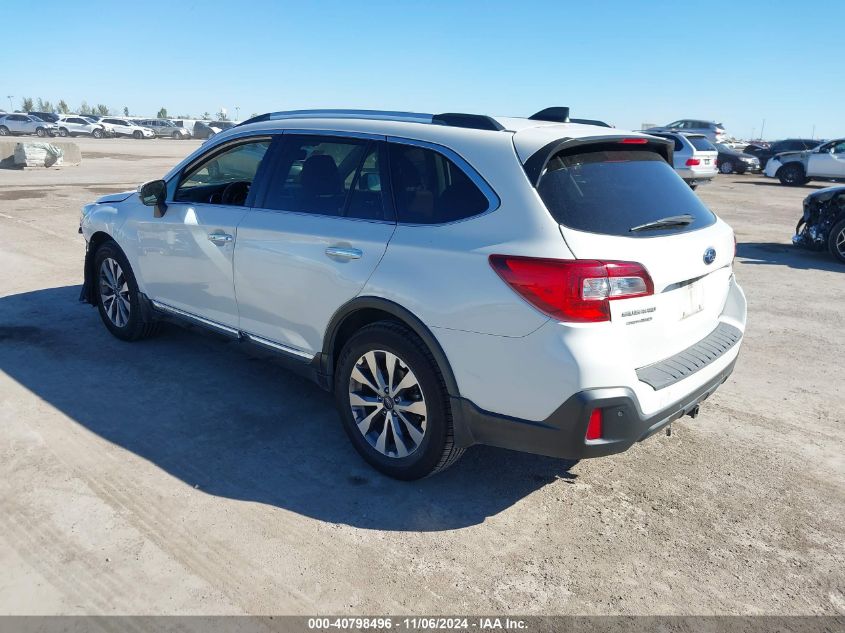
point(454, 279)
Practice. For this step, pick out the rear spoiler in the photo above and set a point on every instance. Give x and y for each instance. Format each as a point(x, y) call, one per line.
point(537, 162)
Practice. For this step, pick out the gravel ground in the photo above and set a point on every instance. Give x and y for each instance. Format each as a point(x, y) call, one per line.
point(183, 476)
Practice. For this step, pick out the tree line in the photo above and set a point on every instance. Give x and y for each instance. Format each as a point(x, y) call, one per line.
point(42, 105)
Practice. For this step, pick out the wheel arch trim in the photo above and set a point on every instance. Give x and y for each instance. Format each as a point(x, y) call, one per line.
point(400, 313)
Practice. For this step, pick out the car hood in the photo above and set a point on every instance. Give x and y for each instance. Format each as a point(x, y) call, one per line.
point(823, 195)
point(116, 197)
point(783, 156)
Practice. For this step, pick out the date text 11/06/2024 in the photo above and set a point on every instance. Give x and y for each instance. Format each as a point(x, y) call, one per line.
point(417, 624)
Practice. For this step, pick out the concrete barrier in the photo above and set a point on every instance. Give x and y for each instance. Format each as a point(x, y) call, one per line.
point(73, 155)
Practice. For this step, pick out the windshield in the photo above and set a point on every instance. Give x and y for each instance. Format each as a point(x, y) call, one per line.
point(612, 191)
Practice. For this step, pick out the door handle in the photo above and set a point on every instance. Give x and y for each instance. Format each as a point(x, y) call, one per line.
point(220, 238)
point(343, 252)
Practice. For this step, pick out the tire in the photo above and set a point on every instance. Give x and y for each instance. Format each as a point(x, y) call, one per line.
point(176, 136)
point(424, 443)
point(41, 132)
point(727, 167)
point(98, 133)
point(792, 175)
point(63, 132)
point(137, 134)
point(122, 315)
point(4, 131)
point(693, 187)
point(836, 241)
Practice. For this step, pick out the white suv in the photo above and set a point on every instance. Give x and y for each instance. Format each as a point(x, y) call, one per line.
point(125, 127)
point(694, 158)
point(74, 125)
point(17, 123)
point(454, 279)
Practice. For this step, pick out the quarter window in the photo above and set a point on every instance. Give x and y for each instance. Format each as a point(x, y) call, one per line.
point(428, 188)
point(225, 177)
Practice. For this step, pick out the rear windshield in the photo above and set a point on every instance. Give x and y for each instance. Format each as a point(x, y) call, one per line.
point(701, 143)
point(611, 192)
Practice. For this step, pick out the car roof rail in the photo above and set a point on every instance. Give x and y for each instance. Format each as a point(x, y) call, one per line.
point(452, 119)
point(555, 114)
point(472, 121)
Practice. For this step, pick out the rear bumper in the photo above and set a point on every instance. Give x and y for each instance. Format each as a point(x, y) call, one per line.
point(562, 433)
point(697, 177)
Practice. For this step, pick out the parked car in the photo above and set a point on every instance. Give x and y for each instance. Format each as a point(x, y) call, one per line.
point(826, 162)
point(715, 132)
point(822, 226)
point(765, 152)
point(125, 127)
point(165, 128)
point(203, 130)
point(551, 288)
point(731, 161)
point(694, 157)
point(25, 124)
point(49, 117)
point(207, 129)
point(80, 126)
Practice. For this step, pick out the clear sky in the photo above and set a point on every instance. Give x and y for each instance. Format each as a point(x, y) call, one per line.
point(626, 62)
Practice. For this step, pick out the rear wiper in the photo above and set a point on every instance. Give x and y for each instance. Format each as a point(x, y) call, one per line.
point(663, 223)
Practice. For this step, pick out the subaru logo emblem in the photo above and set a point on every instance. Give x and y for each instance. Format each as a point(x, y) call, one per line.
point(709, 255)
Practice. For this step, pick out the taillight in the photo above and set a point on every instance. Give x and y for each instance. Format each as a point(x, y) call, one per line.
point(693, 161)
point(594, 426)
point(634, 141)
point(578, 290)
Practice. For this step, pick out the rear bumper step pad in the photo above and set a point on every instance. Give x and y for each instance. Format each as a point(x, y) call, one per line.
point(683, 364)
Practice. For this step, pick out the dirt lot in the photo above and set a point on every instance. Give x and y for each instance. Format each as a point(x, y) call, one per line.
point(181, 475)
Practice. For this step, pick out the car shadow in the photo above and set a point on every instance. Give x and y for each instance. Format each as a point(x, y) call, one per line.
point(775, 254)
point(776, 183)
point(235, 425)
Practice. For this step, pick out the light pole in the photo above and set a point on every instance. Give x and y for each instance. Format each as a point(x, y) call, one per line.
point(10, 97)
point(237, 113)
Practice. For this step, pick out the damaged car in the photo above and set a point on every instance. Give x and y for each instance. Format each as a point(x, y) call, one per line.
point(823, 223)
point(825, 162)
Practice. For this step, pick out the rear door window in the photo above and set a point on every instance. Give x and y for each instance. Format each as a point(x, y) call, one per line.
point(328, 175)
point(610, 192)
point(701, 143)
point(428, 188)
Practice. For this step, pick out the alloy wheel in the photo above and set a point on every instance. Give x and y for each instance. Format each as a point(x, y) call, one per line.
point(727, 167)
point(387, 404)
point(840, 243)
point(114, 292)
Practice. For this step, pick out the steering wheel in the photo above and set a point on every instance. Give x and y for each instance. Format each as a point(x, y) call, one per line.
point(235, 193)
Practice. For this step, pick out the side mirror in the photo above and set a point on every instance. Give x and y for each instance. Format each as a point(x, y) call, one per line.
point(153, 194)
